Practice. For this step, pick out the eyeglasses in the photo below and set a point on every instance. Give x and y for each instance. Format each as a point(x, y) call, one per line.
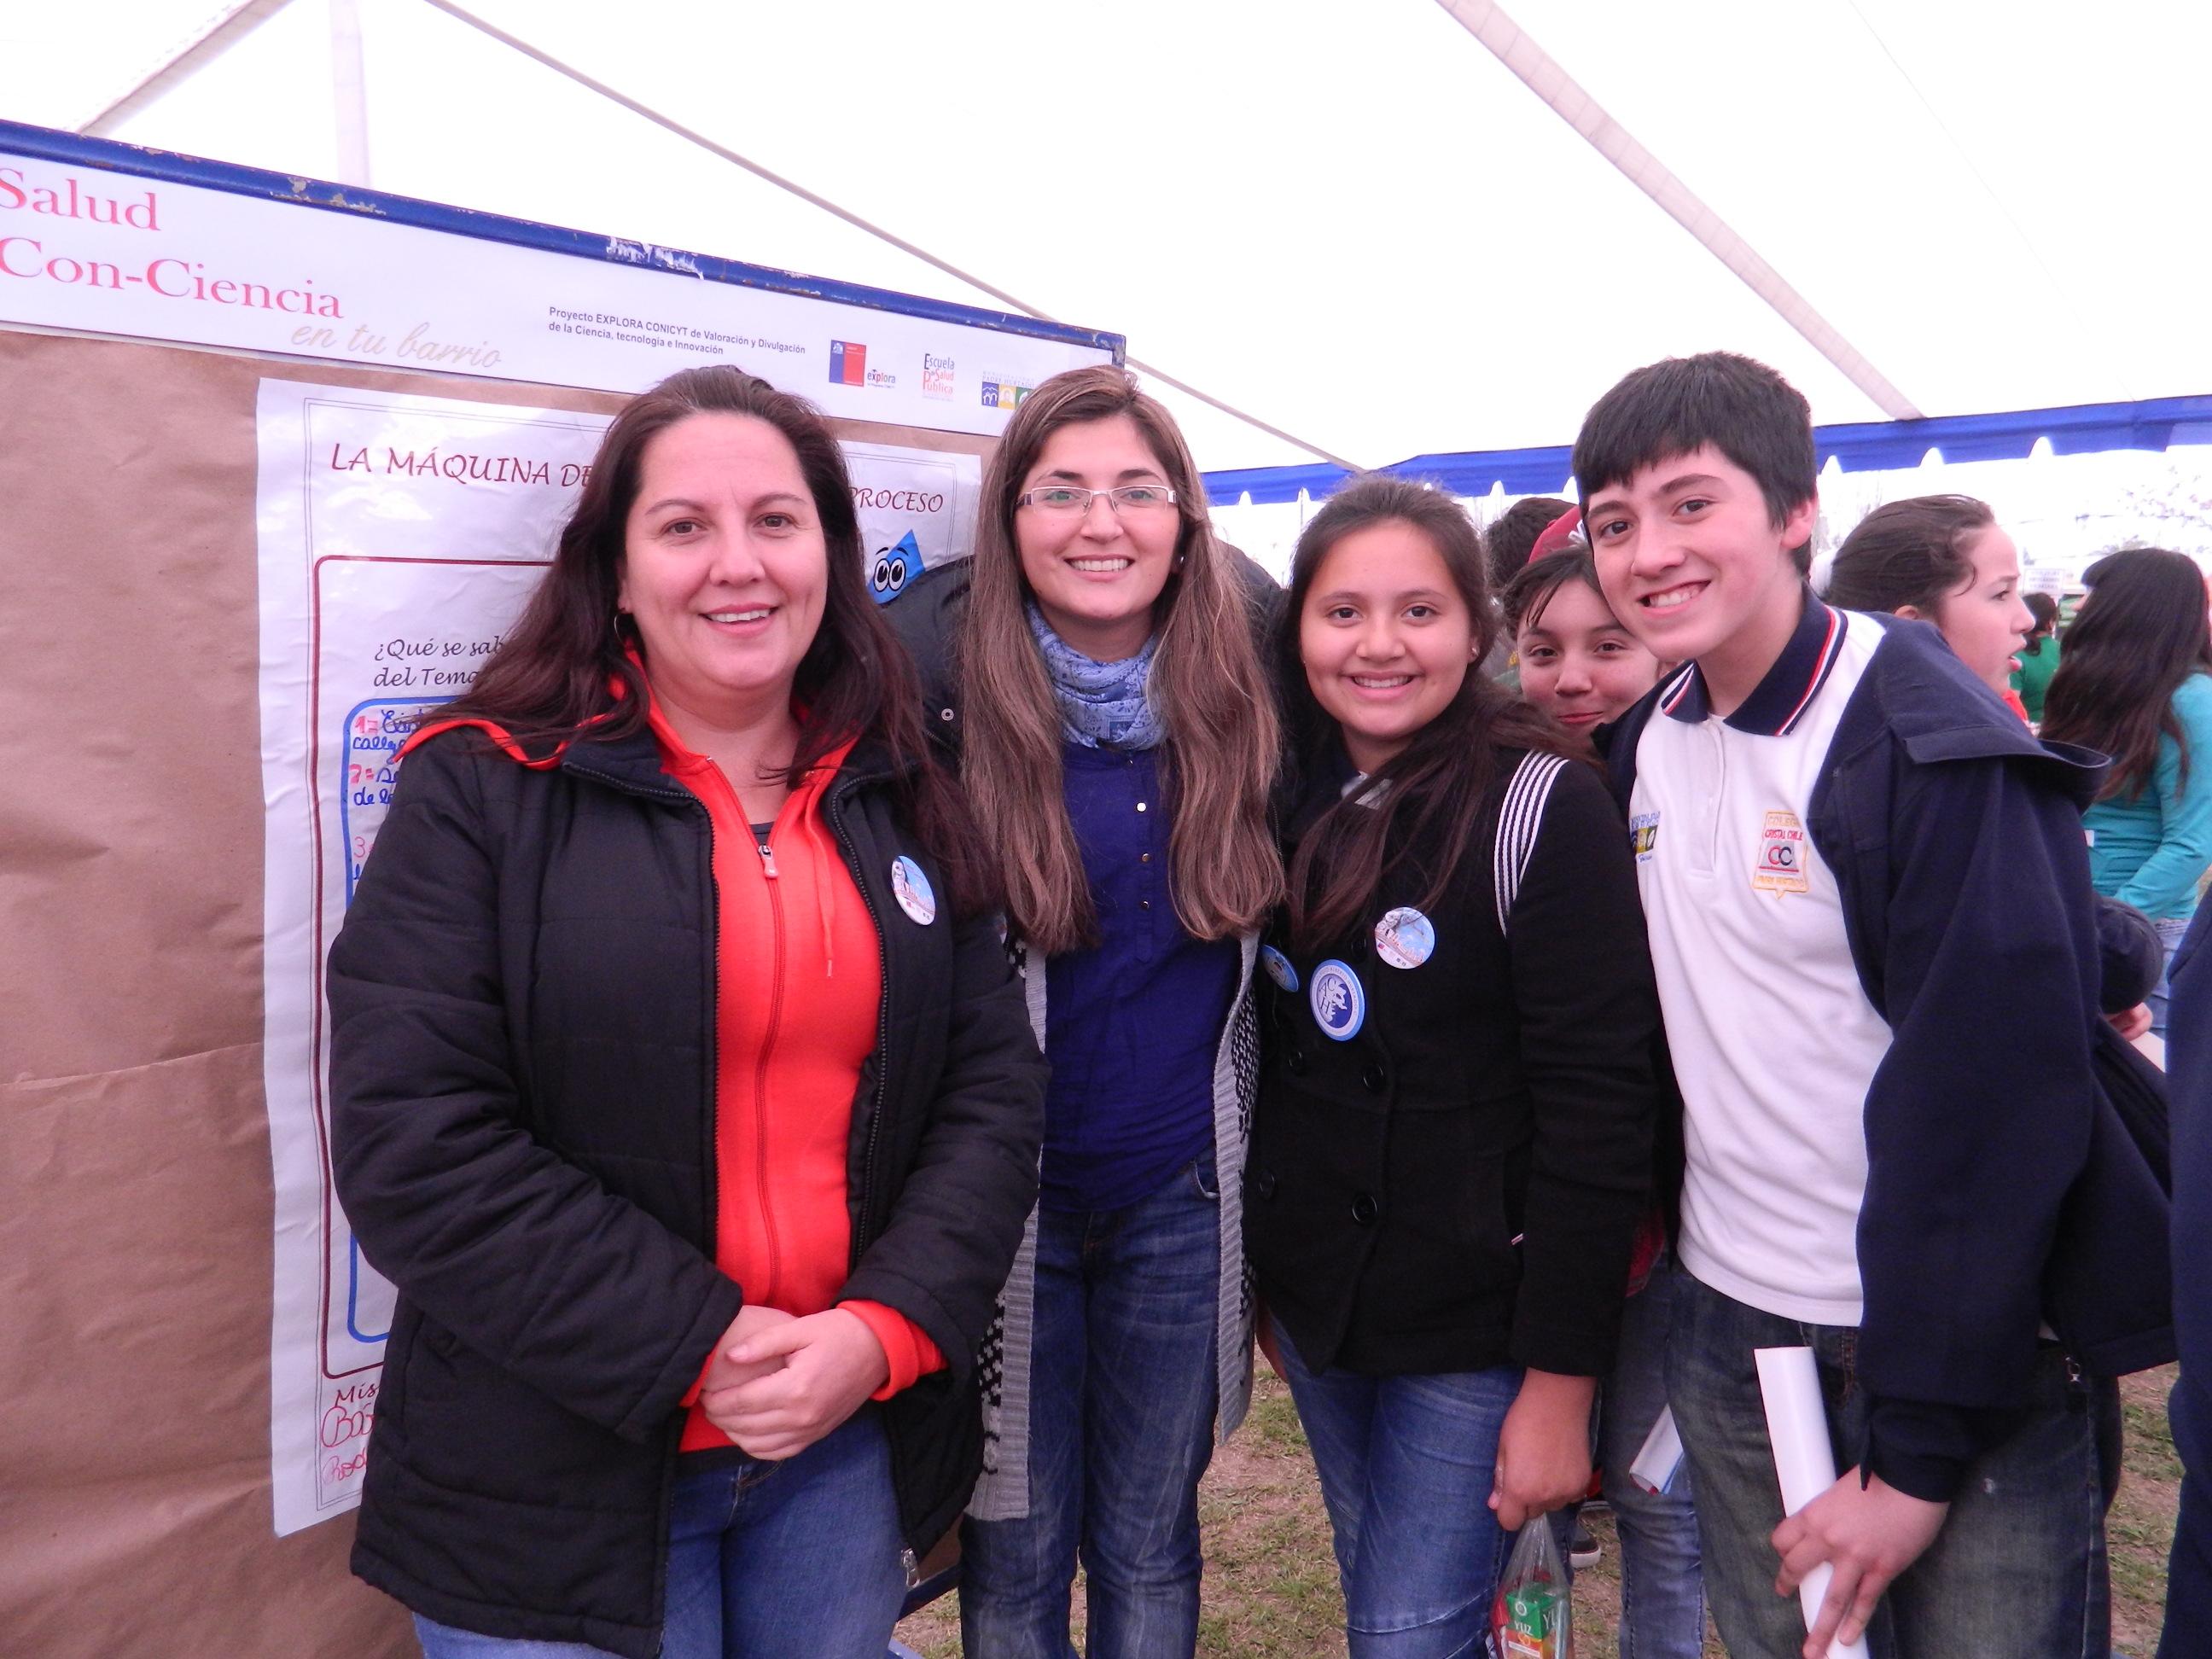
point(1070, 499)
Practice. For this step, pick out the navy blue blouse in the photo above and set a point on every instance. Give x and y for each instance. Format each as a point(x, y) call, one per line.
point(1132, 1023)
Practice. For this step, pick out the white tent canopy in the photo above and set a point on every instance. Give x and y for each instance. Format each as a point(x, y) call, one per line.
point(1352, 221)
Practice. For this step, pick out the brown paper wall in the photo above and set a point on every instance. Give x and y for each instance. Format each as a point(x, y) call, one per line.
point(135, 1187)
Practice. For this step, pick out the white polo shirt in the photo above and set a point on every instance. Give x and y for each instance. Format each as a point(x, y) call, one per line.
point(1774, 1043)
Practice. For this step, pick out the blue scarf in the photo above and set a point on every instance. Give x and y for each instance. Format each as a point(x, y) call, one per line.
point(1102, 705)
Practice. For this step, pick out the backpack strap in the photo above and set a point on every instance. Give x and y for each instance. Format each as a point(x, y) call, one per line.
point(1519, 817)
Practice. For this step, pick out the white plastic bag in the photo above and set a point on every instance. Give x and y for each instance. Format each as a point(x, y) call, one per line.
point(1534, 1615)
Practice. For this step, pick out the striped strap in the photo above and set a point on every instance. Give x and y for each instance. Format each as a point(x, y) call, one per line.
point(1518, 819)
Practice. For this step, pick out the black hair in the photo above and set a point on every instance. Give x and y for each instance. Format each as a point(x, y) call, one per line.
point(1741, 408)
point(1435, 785)
point(2139, 634)
point(1533, 585)
point(2044, 609)
point(1506, 544)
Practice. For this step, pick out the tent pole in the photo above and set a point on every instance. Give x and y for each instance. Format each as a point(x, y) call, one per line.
point(690, 136)
point(214, 40)
point(349, 91)
point(1540, 73)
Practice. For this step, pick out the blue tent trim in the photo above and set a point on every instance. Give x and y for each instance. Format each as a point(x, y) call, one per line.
point(74, 149)
point(1862, 446)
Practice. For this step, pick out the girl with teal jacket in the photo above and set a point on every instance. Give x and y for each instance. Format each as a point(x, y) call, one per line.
point(2136, 684)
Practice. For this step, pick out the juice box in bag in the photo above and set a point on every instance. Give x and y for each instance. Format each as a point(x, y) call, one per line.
point(1533, 1617)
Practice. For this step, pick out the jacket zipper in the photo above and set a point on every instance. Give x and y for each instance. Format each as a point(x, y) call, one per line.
point(836, 802)
point(768, 1296)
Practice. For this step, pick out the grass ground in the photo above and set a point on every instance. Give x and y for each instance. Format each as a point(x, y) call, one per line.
point(1271, 1581)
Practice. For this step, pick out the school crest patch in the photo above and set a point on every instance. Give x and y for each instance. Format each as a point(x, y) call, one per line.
point(1783, 854)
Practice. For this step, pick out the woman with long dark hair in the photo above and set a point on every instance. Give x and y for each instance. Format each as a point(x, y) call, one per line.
point(1452, 1151)
point(1097, 664)
point(2136, 684)
point(679, 1084)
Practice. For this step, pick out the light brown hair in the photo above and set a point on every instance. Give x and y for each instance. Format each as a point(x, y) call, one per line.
point(1222, 743)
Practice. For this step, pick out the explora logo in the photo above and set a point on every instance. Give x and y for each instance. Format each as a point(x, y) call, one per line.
point(849, 366)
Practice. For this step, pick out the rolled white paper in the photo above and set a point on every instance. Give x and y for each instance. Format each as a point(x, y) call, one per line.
point(1797, 1427)
point(1660, 1456)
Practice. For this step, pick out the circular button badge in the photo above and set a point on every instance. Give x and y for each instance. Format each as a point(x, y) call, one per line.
point(913, 892)
point(1279, 968)
point(1404, 938)
point(1339, 1001)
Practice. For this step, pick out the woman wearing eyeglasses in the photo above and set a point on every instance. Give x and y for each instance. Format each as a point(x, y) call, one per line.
point(1118, 741)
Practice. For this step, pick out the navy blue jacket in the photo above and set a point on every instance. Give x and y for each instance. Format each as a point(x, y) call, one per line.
point(1956, 840)
point(2189, 1073)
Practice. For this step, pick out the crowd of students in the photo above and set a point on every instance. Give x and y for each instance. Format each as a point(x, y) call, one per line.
point(816, 1073)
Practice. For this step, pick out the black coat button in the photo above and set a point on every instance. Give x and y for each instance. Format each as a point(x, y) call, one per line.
point(1365, 1209)
point(1376, 1078)
point(1294, 1062)
point(1264, 1183)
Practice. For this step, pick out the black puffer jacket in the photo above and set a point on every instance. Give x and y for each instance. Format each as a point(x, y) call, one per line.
point(523, 1081)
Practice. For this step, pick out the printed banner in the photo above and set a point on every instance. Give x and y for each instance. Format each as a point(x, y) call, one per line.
point(398, 537)
point(108, 253)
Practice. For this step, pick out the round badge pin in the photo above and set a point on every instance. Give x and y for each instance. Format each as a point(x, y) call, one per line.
point(1339, 1001)
point(1404, 938)
point(1279, 967)
point(913, 892)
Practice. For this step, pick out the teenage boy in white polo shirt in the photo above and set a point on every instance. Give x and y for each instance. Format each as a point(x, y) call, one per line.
point(1868, 902)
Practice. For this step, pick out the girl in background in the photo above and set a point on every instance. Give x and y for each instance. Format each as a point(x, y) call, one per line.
point(2136, 685)
point(1945, 560)
point(1577, 663)
point(2039, 656)
point(1582, 667)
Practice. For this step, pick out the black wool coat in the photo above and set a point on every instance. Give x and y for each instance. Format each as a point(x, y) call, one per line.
point(523, 1003)
point(1457, 1183)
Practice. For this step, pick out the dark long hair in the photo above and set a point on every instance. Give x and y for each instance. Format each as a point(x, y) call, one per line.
point(553, 680)
point(1911, 552)
point(2139, 634)
point(1434, 788)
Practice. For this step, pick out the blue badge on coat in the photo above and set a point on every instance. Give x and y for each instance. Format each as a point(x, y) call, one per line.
point(1339, 1001)
point(1404, 938)
point(913, 892)
point(1279, 967)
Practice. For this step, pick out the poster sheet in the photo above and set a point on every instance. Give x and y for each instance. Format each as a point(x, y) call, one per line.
point(399, 534)
point(109, 253)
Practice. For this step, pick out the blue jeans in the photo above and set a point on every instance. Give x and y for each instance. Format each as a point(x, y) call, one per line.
point(1406, 1464)
point(1662, 1592)
point(2018, 1567)
point(1121, 1407)
point(2170, 931)
point(797, 1559)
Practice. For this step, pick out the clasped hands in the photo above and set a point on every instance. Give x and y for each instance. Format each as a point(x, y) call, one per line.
point(778, 1383)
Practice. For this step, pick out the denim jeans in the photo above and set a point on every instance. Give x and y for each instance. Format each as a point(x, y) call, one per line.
point(797, 1559)
point(1406, 1464)
point(2018, 1567)
point(1121, 1407)
point(2170, 932)
point(1662, 1591)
